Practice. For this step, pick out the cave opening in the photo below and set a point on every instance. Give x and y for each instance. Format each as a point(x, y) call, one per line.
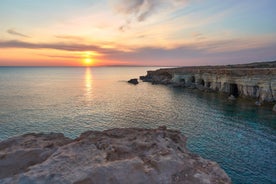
point(256, 91)
point(234, 90)
point(193, 79)
point(208, 84)
point(218, 85)
point(182, 81)
point(201, 82)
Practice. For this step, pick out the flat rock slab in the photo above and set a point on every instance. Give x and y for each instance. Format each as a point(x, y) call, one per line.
point(128, 155)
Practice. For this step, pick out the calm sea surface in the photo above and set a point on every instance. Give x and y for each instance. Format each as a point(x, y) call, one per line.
point(237, 135)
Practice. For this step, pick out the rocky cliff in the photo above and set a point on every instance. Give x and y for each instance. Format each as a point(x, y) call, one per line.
point(255, 80)
point(129, 155)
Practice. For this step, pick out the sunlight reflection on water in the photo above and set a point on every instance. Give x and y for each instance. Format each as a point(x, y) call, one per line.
point(88, 84)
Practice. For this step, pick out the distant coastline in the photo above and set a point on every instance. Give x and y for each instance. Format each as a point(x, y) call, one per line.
point(254, 80)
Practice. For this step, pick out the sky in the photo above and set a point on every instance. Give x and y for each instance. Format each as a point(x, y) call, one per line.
point(136, 32)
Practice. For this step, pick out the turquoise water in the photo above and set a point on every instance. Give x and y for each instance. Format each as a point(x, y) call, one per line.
point(238, 135)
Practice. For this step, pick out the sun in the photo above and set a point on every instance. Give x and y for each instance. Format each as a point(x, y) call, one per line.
point(88, 61)
point(89, 58)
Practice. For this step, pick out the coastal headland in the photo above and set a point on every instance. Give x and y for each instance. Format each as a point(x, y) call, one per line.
point(254, 80)
point(127, 155)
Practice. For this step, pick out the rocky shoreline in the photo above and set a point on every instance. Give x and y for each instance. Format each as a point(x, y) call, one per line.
point(127, 155)
point(256, 80)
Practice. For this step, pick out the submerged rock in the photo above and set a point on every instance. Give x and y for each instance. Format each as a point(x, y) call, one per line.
point(274, 108)
point(231, 97)
point(258, 103)
point(133, 81)
point(129, 155)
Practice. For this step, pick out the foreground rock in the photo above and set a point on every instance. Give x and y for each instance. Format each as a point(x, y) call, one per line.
point(114, 156)
point(133, 81)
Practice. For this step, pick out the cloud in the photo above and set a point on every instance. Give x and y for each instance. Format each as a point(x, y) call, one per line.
point(199, 36)
point(218, 46)
point(69, 37)
point(13, 32)
point(204, 49)
point(56, 46)
point(190, 56)
point(207, 53)
point(141, 10)
point(60, 56)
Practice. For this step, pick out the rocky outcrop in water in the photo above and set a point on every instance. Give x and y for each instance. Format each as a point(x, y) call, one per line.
point(128, 155)
point(133, 81)
point(256, 80)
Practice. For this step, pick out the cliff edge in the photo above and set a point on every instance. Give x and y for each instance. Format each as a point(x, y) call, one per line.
point(129, 155)
point(255, 80)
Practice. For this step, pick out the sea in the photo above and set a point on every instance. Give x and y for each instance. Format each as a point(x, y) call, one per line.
point(238, 135)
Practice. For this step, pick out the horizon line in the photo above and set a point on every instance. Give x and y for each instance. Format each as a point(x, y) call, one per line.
point(98, 66)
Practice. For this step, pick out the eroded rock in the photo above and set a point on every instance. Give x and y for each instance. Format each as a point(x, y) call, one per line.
point(255, 80)
point(129, 155)
point(19, 153)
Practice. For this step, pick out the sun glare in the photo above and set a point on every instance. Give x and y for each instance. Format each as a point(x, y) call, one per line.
point(88, 61)
point(88, 58)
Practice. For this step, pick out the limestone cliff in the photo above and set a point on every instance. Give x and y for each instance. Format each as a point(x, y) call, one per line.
point(123, 156)
point(256, 80)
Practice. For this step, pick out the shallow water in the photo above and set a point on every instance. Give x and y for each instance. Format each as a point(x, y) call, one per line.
point(238, 135)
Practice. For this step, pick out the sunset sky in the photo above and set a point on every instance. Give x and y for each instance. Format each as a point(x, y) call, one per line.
point(136, 32)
